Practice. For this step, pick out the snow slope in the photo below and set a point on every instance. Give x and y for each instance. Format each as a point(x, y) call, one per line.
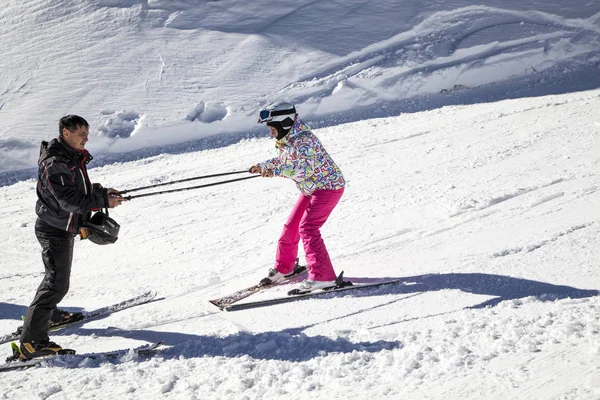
point(154, 76)
point(488, 212)
point(468, 134)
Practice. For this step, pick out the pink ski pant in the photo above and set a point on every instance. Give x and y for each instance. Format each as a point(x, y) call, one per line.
point(305, 221)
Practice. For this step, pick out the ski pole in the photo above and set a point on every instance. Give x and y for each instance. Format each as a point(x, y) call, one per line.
point(190, 188)
point(182, 180)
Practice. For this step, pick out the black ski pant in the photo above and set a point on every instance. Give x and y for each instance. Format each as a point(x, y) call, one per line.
point(57, 255)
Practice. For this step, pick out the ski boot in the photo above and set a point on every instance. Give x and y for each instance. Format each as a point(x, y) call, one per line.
point(61, 317)
point(28, 350)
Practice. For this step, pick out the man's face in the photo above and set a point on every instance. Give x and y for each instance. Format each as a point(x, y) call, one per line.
point(76, 139)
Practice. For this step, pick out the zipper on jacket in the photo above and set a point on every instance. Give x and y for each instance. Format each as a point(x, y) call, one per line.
point(84, 182)
point(68, 229)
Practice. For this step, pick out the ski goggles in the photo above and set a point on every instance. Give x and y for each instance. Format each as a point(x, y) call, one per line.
point(268, 115)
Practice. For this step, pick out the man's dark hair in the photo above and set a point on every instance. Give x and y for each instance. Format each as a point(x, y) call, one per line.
point(71, 122)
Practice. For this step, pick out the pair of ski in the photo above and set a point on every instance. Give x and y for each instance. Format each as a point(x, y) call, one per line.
point(144, 298)
point(230, 302)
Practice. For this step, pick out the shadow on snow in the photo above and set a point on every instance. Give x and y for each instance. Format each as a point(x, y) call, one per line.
point(502, 287)
point(293, 345)
point(12, 311)
point(280, 345)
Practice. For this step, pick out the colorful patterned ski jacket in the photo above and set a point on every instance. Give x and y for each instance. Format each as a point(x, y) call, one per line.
point(303, 159)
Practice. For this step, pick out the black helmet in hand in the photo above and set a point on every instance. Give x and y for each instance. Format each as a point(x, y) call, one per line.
point(101, 229)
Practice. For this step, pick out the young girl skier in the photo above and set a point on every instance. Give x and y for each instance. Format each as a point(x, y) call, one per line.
point(303, 159)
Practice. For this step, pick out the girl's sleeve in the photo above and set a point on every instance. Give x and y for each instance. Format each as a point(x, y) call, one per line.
point(270, 164)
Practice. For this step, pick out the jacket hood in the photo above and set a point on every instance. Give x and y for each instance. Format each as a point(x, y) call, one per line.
point(298, 127)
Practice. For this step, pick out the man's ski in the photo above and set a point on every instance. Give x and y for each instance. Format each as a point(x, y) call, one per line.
point(95, 314)
point(242, 294)
point(344, 287)
point(143, 351)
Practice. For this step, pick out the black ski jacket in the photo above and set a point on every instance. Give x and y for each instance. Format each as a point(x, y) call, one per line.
point(65, 194)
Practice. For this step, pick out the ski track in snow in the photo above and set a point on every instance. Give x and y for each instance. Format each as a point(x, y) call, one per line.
point(440, 36)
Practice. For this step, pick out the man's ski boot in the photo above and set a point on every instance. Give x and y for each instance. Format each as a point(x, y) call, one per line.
point(29, 350)
point(61, 317)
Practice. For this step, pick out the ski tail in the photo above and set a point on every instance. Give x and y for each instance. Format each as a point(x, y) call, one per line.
point(144, 298)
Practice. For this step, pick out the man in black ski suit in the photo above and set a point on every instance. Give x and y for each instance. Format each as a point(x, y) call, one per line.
point(65, 199)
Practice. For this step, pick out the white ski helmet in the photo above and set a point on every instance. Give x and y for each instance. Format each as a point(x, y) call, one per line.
point(278, 112)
